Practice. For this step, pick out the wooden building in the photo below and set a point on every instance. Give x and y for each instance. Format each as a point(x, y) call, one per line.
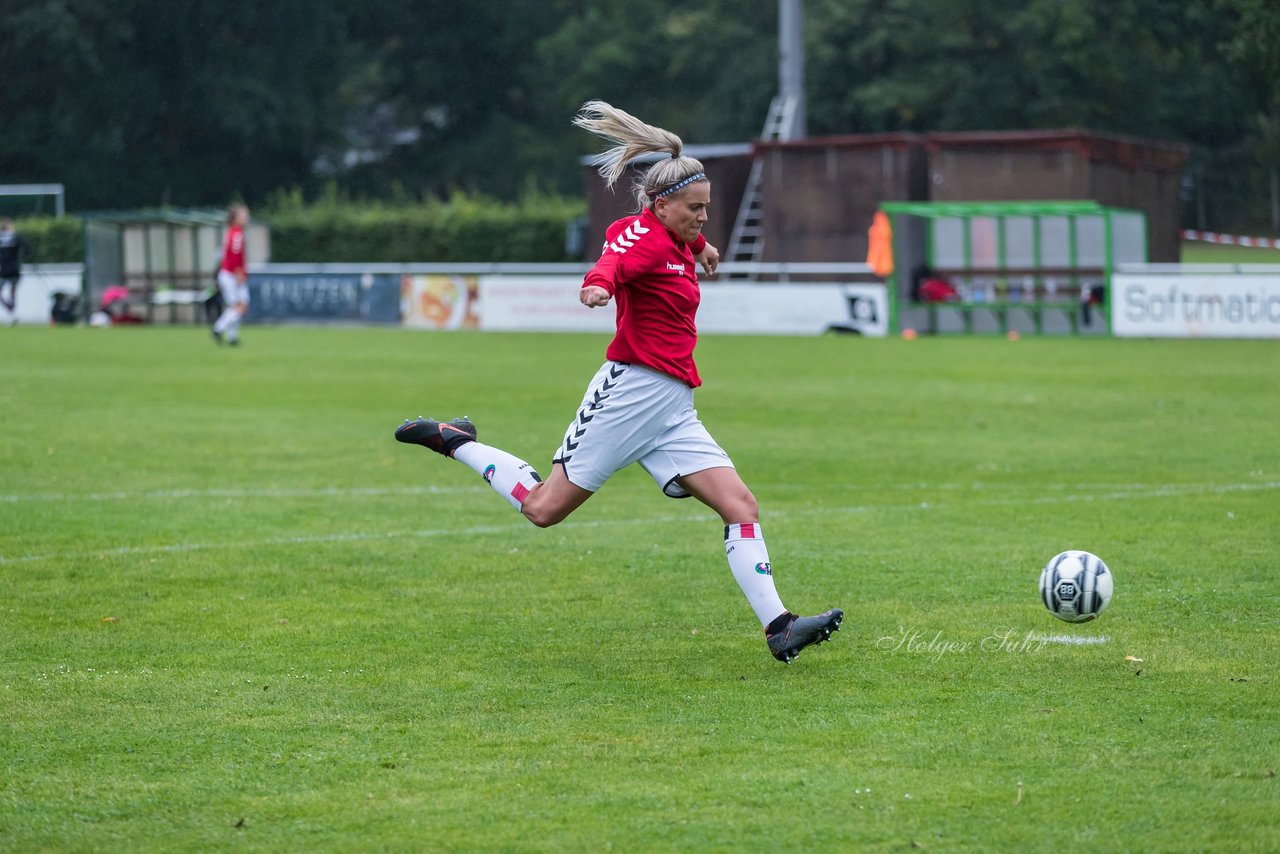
point(820, 193)
point(1112, 170)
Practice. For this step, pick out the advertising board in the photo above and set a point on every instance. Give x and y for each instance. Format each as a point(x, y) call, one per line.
point(1190, 305)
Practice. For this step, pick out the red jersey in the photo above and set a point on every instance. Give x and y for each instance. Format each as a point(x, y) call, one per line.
point(653, 278)
point(233, 251)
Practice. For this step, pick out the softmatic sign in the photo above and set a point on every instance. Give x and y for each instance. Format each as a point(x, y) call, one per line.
point(1174, 305)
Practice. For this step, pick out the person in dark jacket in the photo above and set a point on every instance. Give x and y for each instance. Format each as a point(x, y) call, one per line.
point(13, 251)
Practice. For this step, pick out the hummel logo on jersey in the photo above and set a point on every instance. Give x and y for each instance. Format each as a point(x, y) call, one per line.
point(628, 238)
point(673, 267)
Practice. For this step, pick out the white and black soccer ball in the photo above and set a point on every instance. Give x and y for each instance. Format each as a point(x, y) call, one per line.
point(1075, 586)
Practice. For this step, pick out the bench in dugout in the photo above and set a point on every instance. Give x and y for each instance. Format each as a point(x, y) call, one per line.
point(984, 301)
point(178, 305)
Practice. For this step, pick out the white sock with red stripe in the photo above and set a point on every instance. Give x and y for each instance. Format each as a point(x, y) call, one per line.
point(749, 561)
point(511, 477)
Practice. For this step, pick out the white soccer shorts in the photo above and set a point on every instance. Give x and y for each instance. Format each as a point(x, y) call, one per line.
point(232, 291)
point(633, 414)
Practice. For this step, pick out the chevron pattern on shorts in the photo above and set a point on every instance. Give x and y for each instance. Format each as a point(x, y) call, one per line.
point(573, 436)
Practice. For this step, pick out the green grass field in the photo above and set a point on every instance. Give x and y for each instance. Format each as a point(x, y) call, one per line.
point(238, 616)
point(1199, 252)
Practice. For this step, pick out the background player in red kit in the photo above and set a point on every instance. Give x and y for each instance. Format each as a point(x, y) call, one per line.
point(639, 405)
point(233, 278)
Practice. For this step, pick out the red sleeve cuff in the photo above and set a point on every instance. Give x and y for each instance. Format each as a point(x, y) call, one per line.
point(699, 243)
point(598, 281)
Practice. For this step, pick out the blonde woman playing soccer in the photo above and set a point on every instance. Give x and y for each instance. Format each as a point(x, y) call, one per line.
point(638, 408)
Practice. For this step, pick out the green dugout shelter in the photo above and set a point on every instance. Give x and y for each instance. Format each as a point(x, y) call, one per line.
point(164, 257)
point(1038, 267)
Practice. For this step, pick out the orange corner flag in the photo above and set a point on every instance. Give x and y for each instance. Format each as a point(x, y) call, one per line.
point(880, 245)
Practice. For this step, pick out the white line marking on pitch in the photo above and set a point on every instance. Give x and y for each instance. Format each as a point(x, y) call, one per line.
point(1157, 492)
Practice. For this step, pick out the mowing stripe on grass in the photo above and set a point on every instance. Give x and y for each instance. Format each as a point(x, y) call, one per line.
point(167, 494)
point(1131, 490)
point(1168, 491)
point(340, 538)
point(1157, 492)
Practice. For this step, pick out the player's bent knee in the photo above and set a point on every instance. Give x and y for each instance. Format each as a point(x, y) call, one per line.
point(540, 518)
point(740, 507)
point(543, 514)
point(550, 502)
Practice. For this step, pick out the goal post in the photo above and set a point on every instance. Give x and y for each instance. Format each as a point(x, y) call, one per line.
point(39, 192)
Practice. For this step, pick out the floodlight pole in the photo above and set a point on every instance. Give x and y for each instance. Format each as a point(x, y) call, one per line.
point(791, 65)
point(785, 121)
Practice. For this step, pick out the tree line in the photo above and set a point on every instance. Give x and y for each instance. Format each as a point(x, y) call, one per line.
point(134, 103)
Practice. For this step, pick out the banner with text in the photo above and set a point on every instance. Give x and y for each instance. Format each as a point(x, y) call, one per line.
point(1175, 305)
point(311, 297)
point(550, 304)
point(539, 304)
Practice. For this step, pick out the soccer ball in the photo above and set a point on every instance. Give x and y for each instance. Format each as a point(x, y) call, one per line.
point(1075, 586)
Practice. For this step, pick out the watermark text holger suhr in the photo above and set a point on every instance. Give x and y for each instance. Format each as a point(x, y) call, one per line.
point(917, 641)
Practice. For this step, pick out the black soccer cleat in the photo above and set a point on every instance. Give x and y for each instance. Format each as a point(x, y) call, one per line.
point(443, 437)
point(790, 633)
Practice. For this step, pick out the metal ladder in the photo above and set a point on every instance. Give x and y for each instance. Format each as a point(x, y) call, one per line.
point(746, 241)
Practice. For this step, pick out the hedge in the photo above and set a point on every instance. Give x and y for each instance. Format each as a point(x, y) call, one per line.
point(458, 230)
point(53, 240)
point(461, 229)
